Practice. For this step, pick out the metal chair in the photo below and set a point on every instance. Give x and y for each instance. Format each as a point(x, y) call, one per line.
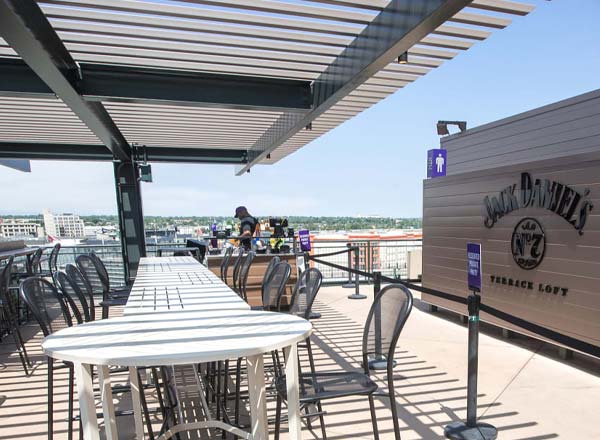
point(243, 275)
point(85, 288)
point(8, 315)
point(304, 293)
point(387, 316)
point(268, 272)
point(114, 292)
point(236, 268)
point(51, 310)
point(225, 263)
point(52, 314)
point(52, 262)
point(73, 296)
point(99, 283)
point(275, 287)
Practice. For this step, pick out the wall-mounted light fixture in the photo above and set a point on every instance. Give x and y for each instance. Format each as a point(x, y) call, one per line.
point(442, 126)
point(403, 59)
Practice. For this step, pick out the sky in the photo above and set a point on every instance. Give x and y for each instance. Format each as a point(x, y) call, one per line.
point(373, 164)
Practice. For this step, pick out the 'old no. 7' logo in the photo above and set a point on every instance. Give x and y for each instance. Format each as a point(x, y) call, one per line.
point(528, 243)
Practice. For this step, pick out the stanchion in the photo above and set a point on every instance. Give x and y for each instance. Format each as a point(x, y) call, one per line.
point(379, 362)
point(349, 284)
point(356, 294)
point(472, 430)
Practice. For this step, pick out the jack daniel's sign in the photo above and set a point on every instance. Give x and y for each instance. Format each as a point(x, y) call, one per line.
point(572, 205)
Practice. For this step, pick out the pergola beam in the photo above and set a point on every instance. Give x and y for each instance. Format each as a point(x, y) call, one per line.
point(398, 27)
point(143, 85)
point(89, 152)
point(26, 29)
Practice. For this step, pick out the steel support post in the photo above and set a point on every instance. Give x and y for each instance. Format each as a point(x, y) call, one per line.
point(472, 430)
point(131, 217)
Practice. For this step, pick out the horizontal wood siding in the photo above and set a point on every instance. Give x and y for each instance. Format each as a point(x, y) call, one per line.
point(562, 129)
point(453, 214)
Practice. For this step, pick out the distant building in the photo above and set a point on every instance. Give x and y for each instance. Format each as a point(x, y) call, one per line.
point(20, 227)
point(386, 251)
point(63, 225)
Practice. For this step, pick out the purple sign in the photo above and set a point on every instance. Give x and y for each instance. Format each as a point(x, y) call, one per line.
point(304, 236)
point(436, 163)
point(474, 266)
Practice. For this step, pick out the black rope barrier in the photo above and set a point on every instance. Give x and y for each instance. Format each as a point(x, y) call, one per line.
point(547, 333)
point(433, 292)
point(347, 269)
point(330, 254)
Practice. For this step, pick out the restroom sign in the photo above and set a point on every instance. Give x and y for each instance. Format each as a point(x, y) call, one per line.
point(436, 163)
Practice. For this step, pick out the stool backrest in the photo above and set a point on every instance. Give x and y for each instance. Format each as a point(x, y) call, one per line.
point(244, 271)
point(73, 296)
point(101, 268)
point(236, 269)
point(225, 263)
point(385, 321)
point(46, 304)
point(275, 287)
point(35, 264)
point(89, 269)
point(84, 286)
point(268, 273)
point(5, 276)
point(53, 258)
point(305, 292)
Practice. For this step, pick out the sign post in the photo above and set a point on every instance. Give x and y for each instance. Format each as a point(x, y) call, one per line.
point(471, 430)
point(304, 236)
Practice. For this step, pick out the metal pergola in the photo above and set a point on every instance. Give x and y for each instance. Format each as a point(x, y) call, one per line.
point(241, 82)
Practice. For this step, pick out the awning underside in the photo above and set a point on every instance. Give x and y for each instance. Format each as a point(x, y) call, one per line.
point(258, 77)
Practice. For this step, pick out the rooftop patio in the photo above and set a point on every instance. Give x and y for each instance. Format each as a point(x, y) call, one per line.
point(525, 390)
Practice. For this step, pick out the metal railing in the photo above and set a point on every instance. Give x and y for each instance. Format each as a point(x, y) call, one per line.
point(110, 254)
point(388, 256)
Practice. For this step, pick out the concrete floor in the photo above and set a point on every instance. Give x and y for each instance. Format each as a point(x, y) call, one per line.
point(525, 390)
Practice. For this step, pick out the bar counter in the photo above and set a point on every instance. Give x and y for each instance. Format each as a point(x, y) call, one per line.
point(257, 273)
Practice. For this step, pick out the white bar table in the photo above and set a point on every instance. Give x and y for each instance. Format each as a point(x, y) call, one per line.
point(180, 338)
point(169, 284)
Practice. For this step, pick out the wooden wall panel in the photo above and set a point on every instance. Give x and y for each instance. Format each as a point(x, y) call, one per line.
point(562, 129)
point(454, 213)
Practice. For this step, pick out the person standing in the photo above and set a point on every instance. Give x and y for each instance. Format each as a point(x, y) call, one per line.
point(248, 225)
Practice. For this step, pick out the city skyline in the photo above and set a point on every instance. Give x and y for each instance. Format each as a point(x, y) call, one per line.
point(371, 164)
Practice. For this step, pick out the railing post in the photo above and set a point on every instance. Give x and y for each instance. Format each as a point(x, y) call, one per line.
point(472, 429)
point(356, 294)
point(379, 362)
point(349, 284)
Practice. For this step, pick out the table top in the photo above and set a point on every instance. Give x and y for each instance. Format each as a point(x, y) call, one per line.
point(176, 338)
point(168, 284)
point(20, 252)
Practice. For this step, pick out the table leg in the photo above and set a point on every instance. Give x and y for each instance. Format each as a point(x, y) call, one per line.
point(137, 404)
point(258, 398)
point(293, 394)
point(87, 407)
point(108, 407)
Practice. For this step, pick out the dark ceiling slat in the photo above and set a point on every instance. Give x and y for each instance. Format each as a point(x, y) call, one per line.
point(26, 29)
